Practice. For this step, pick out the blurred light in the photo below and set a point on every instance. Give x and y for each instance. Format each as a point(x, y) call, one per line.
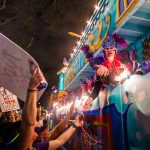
point(83, 33)
point(123, 75)
point(97, 7)
point(55, 104)
point(78, 42)
point(55, 91)
point(71, 55)
point(74, 50)
point(88, 22)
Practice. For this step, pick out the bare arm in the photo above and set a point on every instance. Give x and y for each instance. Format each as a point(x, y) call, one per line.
point(61, 126)
point(29, 112)
point(64, 137)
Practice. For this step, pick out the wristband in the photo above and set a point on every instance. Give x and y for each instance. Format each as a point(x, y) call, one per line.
point(32, 90)
point(73, 124)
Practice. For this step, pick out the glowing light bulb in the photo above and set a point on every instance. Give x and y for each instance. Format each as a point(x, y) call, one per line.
point(78, 42)
point(71, 55)
point(97, 7)
point(83, 33)
point(74, 50)
point(88, 22)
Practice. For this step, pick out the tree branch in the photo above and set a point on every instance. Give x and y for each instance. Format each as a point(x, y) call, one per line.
point(29, 45)
point(55, 5)
point(4, 5)
point(7, 20)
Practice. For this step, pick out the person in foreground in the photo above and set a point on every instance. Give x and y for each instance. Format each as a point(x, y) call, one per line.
point(111, 68)
point(27, 135)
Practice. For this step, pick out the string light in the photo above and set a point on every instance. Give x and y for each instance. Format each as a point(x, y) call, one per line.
point(71, 55)
point(78, 42)
point(88, 22)
point(83, 33)
point(75, 50)
point(97, 7)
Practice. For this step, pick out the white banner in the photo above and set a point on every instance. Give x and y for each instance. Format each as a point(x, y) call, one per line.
point(14, 69)
point(8, 101)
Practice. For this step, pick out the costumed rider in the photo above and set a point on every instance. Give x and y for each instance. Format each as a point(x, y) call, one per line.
point(109, 71)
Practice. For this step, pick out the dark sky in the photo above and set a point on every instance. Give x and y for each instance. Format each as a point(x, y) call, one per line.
point(40, 27)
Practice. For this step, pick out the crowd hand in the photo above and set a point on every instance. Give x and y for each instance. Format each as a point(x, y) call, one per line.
point(102, 71)
point(36, 79)
point(78, 121)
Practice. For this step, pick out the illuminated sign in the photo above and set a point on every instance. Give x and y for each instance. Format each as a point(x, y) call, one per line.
point(61, 81)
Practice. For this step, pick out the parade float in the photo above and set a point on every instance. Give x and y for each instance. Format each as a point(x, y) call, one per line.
point(124, 122)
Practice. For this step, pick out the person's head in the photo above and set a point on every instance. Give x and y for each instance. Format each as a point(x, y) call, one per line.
point(112, 44)
point(109, 48)
point(10, 115)
point(110, 53)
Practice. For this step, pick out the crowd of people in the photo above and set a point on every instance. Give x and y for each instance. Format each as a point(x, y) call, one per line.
point(25, 133)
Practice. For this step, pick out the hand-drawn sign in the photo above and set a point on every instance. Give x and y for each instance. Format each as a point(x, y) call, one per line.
point(8, 101)
point(14, 69)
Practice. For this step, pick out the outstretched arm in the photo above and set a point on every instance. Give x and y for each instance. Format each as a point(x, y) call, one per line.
point(30, 111)
point(64, 137)
point(61, 126)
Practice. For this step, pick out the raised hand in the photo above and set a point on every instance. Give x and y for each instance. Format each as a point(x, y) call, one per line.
point(102, 71)
point(36, 78)
point(79, 121)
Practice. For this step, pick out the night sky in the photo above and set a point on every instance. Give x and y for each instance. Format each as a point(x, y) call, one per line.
point(40, 27)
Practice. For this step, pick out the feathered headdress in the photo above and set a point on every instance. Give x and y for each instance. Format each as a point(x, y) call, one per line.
point(115, 40)
point(89, 55)
point(86, 51)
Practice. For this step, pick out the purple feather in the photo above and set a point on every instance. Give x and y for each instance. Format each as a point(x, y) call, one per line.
point(120, 41)
point(85, 49)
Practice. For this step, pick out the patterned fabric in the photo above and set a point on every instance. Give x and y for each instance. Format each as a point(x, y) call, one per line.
point(134, 67)
point(115, 40)
point(109, 42)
